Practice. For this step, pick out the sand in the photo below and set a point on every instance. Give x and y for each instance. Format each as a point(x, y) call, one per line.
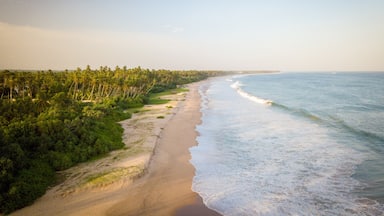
point(150, 176)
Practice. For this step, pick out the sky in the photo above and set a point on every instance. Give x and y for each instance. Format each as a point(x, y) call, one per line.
point(286, 35)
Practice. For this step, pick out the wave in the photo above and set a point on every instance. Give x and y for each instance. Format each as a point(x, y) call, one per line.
point(298, 112)
point(237, 85)
point(373, 140)
point(335, 122)
point(329, 120)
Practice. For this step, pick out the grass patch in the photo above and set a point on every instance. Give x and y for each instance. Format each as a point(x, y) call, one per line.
point(106, 178)
point(170, 92)
point(135, 110)
point(160, 117)
point(155, 98)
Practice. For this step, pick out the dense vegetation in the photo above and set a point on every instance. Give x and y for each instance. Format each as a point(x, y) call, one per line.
point(50, 121)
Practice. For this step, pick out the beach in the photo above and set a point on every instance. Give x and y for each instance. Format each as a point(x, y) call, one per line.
point(152, 175)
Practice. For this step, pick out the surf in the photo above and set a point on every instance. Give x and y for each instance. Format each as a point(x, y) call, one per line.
point(282, 157)
point(328, 120)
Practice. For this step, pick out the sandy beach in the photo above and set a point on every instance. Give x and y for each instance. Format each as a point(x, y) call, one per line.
point(150, 176)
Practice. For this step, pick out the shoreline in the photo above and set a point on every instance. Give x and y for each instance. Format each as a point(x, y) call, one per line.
point(161, 181)
point(166, 189)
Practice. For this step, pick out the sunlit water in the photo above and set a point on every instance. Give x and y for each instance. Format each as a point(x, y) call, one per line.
point(292, 144)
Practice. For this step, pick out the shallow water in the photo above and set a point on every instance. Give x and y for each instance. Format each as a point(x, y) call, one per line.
point(292, 144)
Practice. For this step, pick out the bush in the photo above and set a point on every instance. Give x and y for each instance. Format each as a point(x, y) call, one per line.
point(30, 184)
point(59, 161)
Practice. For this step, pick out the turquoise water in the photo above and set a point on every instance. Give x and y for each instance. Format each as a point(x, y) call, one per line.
point(292, 144)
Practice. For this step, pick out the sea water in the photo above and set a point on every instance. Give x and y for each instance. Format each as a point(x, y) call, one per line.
point(292, 144)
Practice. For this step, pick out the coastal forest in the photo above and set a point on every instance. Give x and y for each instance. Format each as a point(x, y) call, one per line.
point(52, 120)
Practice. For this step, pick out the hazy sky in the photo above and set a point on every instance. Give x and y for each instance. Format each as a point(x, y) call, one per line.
point(195, 34)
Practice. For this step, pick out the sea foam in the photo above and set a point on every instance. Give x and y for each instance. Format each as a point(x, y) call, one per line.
point(237, 85)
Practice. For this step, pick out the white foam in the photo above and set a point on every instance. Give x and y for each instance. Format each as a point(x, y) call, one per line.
point(293, 175)
point(237, 85)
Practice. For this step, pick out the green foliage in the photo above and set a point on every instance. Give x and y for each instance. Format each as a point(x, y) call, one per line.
point(50, 121)
point(158, 100)
point(59, 160)
point(155, 98)
point(29, 184)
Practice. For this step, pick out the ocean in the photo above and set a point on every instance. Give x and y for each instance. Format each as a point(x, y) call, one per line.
point(292, 144)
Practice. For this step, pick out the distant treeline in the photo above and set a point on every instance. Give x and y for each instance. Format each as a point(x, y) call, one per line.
point(50, 121)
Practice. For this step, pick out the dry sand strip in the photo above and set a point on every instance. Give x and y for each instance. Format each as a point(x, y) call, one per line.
point(131, 181)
